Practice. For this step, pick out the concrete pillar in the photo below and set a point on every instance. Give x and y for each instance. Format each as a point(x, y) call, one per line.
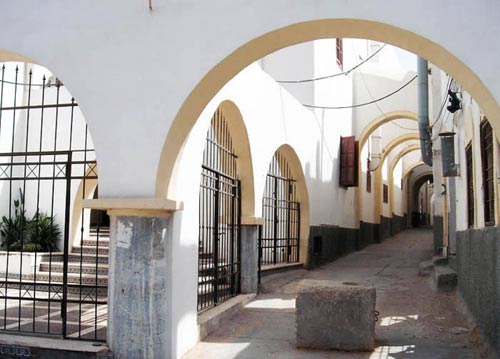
point(249, 258)
point(137, 323)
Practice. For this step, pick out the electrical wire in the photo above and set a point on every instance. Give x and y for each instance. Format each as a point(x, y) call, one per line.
point(448, 86)
point(382, 112)
point(333, 75)
point(365, 103)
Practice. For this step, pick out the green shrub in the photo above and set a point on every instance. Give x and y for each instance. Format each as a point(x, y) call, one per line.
point(40, 233)
point(44, 233)
point(15, 230)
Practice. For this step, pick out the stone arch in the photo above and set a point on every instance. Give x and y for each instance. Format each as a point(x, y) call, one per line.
point(244, 163)
point(407, 171)
point(298, 33)
point(378, 172)
point(383, 119)
point(367, 131)
point(302, 196)
point(392, 165)
point(413, 188)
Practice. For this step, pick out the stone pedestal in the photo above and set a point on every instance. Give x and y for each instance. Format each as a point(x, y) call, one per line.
point(137, 323)
point(249, 258)
point(335, 315)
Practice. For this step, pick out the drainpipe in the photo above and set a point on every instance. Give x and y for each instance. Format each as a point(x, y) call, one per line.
point(423, 111)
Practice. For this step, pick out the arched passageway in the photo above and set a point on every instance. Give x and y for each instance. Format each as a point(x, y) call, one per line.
point(302, 32)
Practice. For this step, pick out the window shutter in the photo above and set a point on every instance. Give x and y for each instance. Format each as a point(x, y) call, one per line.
point(348, 174)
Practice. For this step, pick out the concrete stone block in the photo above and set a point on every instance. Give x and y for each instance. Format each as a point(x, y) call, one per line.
point(440, 260)
point(444, 278)
point(335, 315)
point(425, 268)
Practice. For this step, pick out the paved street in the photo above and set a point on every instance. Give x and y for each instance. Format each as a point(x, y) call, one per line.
point(414, 321)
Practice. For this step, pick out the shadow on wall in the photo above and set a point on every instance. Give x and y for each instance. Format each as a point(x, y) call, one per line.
point(329, 203)
point(338, 237)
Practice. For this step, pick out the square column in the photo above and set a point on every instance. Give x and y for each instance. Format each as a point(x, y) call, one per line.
point(249, 258)
point(137, 322)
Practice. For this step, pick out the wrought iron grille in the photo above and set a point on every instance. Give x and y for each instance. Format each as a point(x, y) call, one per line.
point(279, 242)
point(470, 185)
point(53, 266)
point(488, 176)
point(219, 233)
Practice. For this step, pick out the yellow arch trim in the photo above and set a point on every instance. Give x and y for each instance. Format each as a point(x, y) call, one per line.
point(383, 119)
point(408, 192)
point(392, 165)
point(297, 33)
point(302, 196)
point(367, 131)
point(411, 168)
point(378, 172)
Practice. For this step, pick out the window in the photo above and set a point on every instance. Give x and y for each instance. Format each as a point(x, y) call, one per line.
point(470, 185)
point(386, 194)
point(348, 175)
point(340, 53)
point(487, 169)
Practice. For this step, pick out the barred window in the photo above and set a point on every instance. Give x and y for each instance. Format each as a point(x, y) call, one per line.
point(470, 185)
point(487, 169)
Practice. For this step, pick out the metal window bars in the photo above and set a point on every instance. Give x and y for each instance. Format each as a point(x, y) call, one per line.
point(280, 235)
point(53, 266)
point(219, 214)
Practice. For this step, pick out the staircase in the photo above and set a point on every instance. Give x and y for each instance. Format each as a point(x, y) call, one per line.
point(207, 269)
point(87, 269)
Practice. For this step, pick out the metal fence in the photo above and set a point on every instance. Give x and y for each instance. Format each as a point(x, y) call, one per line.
point(219, 233)
point(279, 240)
point(53, 263)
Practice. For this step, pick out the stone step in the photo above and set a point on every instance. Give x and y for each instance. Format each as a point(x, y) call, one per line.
point(426, 268)
point(74, 267)
point(75, 290)
point(90, 250)
point(88, 258)
point(57, 278)
point(101, 230)
point(92, 241)
point(444, 278)
point(208, 268)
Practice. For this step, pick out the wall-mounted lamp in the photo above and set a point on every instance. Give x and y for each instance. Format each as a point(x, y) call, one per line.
point(454, 102)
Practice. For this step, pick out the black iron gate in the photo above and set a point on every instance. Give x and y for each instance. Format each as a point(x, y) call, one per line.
point(53, 266)
point(279, 240)
point(219, 233)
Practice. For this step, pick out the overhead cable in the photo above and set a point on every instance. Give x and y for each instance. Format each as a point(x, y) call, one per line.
point(333, 75)
point(365, 103)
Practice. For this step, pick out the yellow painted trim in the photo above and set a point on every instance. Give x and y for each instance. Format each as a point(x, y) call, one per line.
point(155, 213)
point(409, 186)
point(134, 205)
point(302, 197)
point(367, 131)
point(252, 221)
point(411, 168)
point(383, 119)
point(378, 172)
point(392, 165)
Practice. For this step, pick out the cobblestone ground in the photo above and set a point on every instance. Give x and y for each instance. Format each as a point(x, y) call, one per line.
point(415, 321)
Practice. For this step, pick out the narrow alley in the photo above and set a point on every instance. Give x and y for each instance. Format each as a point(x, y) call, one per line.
point(415, 321)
